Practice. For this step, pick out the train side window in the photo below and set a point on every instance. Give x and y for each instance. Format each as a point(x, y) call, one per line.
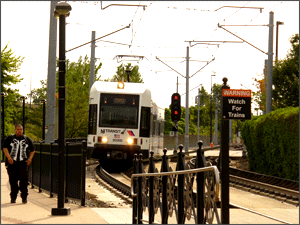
point(145, 122)
point(92, 119)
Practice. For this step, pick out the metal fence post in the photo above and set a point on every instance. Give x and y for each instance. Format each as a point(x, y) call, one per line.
point(66, 171)
point(40, 175)
point(200, 162)
point(51, 171)
point(83, 173)
point(164, 168)
point(134, 200)
point(151, 187)
point(180, 192)
point(140, 199)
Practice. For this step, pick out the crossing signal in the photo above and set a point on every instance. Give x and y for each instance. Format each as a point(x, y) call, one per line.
point(175, 107)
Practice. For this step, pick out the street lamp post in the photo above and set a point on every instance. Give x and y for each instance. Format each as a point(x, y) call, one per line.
point(61, 11)
point(44, 112)
point(23, 97)
point(198, 114)
point(210, 136)
point(128, 71)
point(3, 94)
point(277, 31)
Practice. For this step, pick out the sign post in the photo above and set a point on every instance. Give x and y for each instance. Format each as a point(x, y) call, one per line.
point(235, 104)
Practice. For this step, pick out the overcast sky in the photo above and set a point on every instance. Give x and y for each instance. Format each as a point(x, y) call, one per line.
point(160, 29)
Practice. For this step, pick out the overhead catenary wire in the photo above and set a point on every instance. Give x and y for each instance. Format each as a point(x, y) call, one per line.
point(98, 38)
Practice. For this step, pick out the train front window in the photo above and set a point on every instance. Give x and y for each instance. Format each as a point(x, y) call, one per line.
point(118, 110)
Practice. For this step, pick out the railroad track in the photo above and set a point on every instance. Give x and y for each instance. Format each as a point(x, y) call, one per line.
point(114, 182)
point(278, 188)
point(274, 187)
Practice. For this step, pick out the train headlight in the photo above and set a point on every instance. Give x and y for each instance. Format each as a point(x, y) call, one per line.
point(121, 85)
point(104, 140)
point(130, 141)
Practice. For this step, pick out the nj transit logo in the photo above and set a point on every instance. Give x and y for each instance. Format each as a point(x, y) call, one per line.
point(130, 133)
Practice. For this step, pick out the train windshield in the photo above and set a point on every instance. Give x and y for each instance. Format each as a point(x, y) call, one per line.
point(119, 110)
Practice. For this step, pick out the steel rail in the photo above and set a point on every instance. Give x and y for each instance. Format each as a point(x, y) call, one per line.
point(258, 213)
point(264, 186)
point(125, 189)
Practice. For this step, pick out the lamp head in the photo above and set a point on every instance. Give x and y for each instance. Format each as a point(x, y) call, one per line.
point(62, 8)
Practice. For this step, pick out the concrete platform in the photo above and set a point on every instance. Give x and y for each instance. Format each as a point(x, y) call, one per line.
point(39, 207)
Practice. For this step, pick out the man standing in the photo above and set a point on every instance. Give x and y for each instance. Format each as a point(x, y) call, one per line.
point(19, 151)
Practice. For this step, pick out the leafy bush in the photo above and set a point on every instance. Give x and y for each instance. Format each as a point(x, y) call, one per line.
point(272, 142)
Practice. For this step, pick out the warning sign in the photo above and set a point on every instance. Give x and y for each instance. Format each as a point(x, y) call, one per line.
point(236, 104)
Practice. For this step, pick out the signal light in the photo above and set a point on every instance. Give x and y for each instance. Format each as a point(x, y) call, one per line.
point(175, 107)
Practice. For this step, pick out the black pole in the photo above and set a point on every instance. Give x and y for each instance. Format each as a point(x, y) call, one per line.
point(164, 190)
point(140, 199)
point(180, 183)
point(210, 121)
point(61, 112)
point(200, 163)
point(224, 162)
point(134, 199)
point(3, 130)
point(62, 10)
point(128, 74)
point(23, 97)
point(83, 174)
point(44, 124)
point(151, 188)
point(2, 95)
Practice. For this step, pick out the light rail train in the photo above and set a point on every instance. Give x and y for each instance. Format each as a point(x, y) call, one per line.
point(123, 120)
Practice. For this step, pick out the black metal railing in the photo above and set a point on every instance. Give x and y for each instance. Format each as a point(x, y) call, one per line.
point(44, 170)
point(174, 191)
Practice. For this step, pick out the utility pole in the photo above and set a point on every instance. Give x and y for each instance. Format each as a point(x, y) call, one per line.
point(186, 142)
point(265, 84)
point(277, 34)
point(270, 64)
point(187, 94)
point(198, 114)
point(51, 78)
point(211, 94)
point(216, 123)
point(176, 123)
point(270, 58)
point(92, 63)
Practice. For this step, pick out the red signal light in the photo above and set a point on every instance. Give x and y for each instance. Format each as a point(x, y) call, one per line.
point(175, 107)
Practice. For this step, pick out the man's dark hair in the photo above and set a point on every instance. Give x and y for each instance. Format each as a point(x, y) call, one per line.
point(18, 125)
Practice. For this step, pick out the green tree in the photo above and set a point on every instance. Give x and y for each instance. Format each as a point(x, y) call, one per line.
point(168, 122)
point(38, 94)
point(286, 78)
point(77, 96)
point(121, 73)
point(10, 64)
point(260, 95)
